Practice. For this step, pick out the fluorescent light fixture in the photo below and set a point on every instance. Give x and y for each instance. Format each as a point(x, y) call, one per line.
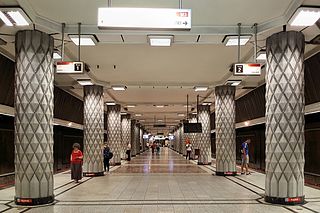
point(194, 113)
point(160, 41)
point(110, 103)
point(142, 120)
point(131, 106)
point(180, 114)
point(305, 16)
point(138, 115)
point(123, 113)
point(262, 55)
point(85, 82)
point(232, 40)
point(246, 123)
point(200, 88)
point(206, 103)
point(144, 18)
point(159, 106)
point(56, 55)
point(160, 120)
point(14, 17)
point(119, 88)
point(233, 82)
point(5, 19)
point(85, 40)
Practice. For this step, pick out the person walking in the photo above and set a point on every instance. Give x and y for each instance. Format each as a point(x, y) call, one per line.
point(245, 156)
point(189, 149)
point(128, 152)
point(107, 155)
point(76, 163)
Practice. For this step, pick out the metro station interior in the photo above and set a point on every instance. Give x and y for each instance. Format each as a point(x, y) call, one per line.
point(184, 93)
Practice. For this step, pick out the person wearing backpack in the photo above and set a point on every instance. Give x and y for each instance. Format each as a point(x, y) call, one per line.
point(107, 155)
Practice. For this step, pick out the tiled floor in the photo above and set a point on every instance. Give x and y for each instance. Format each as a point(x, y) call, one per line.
point(161, 183)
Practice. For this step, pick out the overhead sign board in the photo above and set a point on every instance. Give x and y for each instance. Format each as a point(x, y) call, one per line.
point(144, 18)
point(247, 69)
point(69, 67)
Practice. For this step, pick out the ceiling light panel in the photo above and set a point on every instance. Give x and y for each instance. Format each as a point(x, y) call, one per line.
point(85, 82)
point(85, 40)
point(233, 40)
point(200, 88)
point(119, 88)
point(305, 16)
point(233, 82)
point(160, 41)
point(14, 17)
point(110, 103)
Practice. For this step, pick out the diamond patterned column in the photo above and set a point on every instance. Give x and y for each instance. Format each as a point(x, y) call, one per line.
point(225, 130)
point(114, 133)
point(125, 134)
point(180, 138)
point(133, 138)
point(137, 139)
point(192, 137)
point(93, 130)
point(34, 118)
point(204, 137)
point(184, 135)
point(285, 118)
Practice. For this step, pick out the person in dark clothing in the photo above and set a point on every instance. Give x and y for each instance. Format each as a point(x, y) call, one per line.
point(107, 155)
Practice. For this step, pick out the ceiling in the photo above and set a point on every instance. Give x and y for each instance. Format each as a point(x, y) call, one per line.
point(160, 75)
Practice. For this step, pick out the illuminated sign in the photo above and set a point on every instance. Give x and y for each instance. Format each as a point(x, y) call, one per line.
point(69, 67)
point(144, 18)
point(247, 69)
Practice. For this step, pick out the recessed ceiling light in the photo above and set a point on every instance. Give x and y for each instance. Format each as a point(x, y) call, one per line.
point(142, 120)
point(262, 55)
point(233, 82)
point(85, 82)
point(159, 106)
point(119, 88)
point(232, 40)
point(85, 40)
point(160, 41)
point(200, 88)
point(194, 113)
point(206, 103)
point(69, 124)
point(123, 113)
point(138, 115)
point(110, 103)
point(131, 106)
point(160, 120)
point(305, 16)
point(180, 114)
point(14, 17)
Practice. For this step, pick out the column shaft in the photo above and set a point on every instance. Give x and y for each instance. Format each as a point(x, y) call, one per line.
point(114, 133)
point(93, 130)
point(133, 138)
point(34, 118)
point(285, 118)
point(204, 137)
point(126, 134)
point(225, 130)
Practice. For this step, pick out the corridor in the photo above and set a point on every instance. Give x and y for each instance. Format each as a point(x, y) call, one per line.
point(161, 183)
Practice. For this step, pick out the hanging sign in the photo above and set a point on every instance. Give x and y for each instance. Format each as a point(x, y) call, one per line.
point(144, 18)
point(247, 69)
point(69, 67)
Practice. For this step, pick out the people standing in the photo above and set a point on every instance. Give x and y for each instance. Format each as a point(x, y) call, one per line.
point(76, 163)
point(245, 156)
point(189, 149)
point(128, 152)
point(107, 155)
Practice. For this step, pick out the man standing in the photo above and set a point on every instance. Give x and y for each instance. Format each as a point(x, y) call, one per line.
point(189, 149)
point(107, 155)
point(245, 156)
point(129, 151)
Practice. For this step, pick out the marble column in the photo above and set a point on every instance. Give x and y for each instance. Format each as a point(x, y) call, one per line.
point(125, 135)
point(285, 118)
point(33, 118)
point(93, 130)
point(225, 130)
point(204, 137)
point(114, 132)
point(133, 138)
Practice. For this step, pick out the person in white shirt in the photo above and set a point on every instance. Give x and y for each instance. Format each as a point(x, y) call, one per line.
point(189, 149)
point(129, 151)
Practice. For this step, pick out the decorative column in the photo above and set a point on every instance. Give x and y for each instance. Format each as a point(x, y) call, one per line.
point(125, 135)
point(285, 118)
point(204, 137)
point(114, 133)
point(225, 130)
point(184, 135)
point(141, 139)
point(93, 131)
point(192, 137)
point(137, 139)
point(181, 139)
point(133, 138)
point(33, 118)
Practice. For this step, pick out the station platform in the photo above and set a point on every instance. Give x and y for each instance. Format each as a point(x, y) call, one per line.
point(161, 183)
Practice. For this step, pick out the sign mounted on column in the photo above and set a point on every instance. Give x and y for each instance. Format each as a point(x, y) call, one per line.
point(144, 18)
point(69, 67)
point(247, 69)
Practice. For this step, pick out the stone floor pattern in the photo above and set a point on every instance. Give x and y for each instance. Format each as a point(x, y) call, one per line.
point(161, 183)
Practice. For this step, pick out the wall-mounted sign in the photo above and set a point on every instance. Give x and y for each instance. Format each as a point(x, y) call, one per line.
point(144, 18)
point(247, 69)
point(69, 67)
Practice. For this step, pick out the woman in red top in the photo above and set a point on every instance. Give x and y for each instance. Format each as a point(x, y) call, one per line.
point(76, 163)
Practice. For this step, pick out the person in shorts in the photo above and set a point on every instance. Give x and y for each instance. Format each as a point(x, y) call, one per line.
point(245, 156)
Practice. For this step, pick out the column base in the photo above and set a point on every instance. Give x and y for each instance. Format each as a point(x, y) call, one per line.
point(226, 173)
point(33, 201)
point(93, 174)
point(200, 163)
point(285, 200)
